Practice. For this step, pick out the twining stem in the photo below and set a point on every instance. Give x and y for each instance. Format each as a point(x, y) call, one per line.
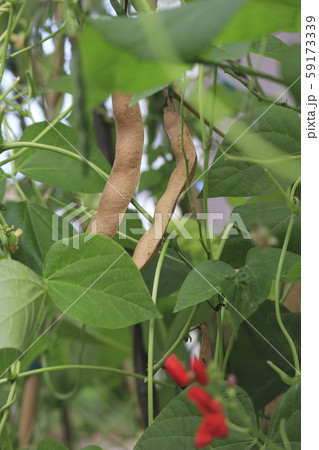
point(196, 114)
point(13, 85)
point(283, 435)
point(206, 148)
point(181, 336)
point(260, 96)
point(84, 367)
point(294, 188)
point(49, 127)
point(150, 355)
point(278, 186)
point(4, 48)
point(257, 161)
point(224, 237)
point(11, 397)
point(248, 71)
point(250, 65)
point(30, 47)
point(52, 148)
point(277, 294)
point(37, 193)
point(219, 349)
point(187, 190)
point(19, 189)
point(65, 395)
point(228, 351)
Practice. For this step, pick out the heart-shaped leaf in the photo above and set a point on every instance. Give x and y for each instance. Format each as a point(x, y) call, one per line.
point(21, 309)
point(92, 279)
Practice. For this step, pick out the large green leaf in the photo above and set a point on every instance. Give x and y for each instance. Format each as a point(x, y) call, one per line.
point(37, 225)
point(204, 281)
point(58, 169)
point(288, 409)
point(253, 284)
point(259, 341)
point(270, 258)
point(21, 309)
point(244, 290)
point(258, 18)
point(92, 279)
point(179, 34)
point(271, 47)
point(176, 425)
point(274, 215)
point(268, 136)
point(216, 54)
point(113, 71)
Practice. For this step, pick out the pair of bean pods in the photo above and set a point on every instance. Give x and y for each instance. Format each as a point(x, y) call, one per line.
point(125, 174)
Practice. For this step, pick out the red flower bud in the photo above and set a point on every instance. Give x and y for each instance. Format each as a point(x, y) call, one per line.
point(213, 426)
point(199, 368)
point(204, 402)
point(177, 371)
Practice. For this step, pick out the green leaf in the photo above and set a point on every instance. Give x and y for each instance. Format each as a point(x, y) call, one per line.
point(274, 215)
point(270, 258)
point(58, 169)
point(272, 47)
point(36, 223)
point(175, 35)
point(291, 70)
point(21, 309)
point(259, 18)
point(203, 282)
point(114, 71)
point(267, 136)
point(61, 84)
point(50, 444)
point(253, 284)
point(176, 425)
point(97, 282)
point(288, 409)
point(3, 183)
point(259, 341)
point(216, 54)
point(147, 93)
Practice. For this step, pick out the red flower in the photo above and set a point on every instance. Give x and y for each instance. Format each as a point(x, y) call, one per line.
point(199, 368)
point(177, 371)
point(204, 402)
point(213, 426)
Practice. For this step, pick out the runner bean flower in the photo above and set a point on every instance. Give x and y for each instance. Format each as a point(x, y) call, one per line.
point(214, 423)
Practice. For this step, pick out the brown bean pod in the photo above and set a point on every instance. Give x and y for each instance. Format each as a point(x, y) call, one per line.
point(150, 242)
point(125, 173)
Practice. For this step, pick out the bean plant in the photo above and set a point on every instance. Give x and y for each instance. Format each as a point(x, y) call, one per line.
point(164, 313)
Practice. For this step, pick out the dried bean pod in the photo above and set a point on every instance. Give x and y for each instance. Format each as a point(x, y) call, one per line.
point(125, 173)
point(150, 243)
